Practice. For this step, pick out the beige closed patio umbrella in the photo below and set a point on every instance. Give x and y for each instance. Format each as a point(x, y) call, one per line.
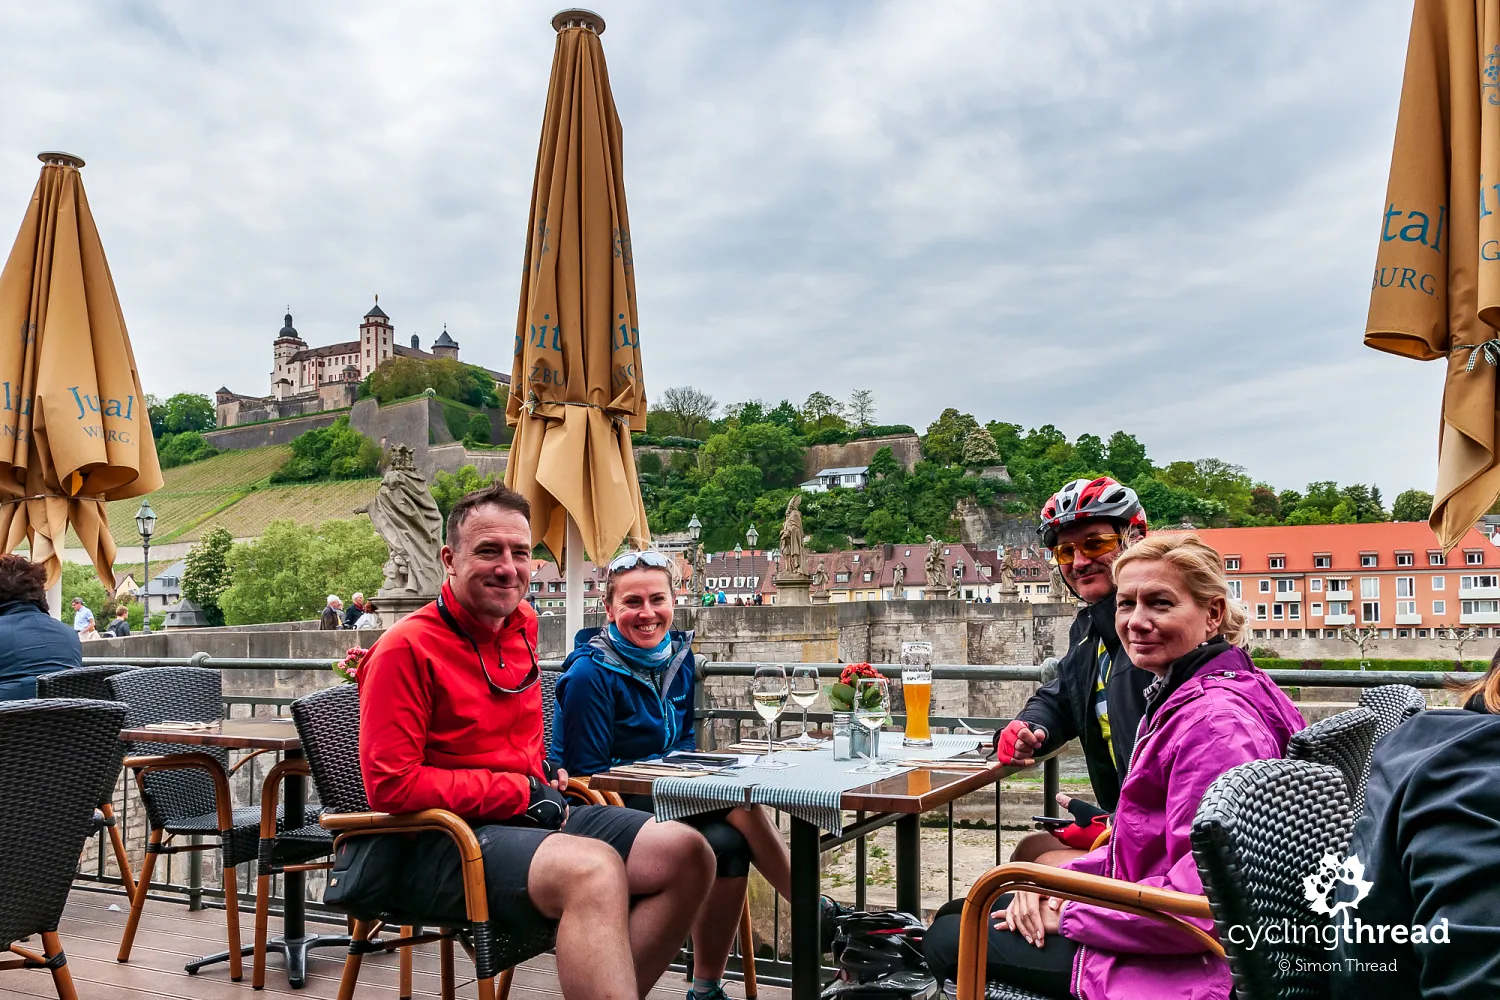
point(74, 431)
point(1436, 287)
point(577, 389)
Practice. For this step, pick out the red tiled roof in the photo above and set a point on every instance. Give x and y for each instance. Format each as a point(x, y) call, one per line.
point(1344, 543)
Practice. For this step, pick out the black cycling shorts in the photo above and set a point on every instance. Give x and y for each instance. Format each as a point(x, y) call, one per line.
point(431, 881)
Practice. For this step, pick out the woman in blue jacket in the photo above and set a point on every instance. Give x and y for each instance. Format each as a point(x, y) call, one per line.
point(626, 695)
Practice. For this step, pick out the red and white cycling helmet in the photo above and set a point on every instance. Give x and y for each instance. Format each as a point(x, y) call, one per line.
point(1088, 500)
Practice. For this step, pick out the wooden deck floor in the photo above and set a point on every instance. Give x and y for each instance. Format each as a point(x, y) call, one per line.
point(171, 935)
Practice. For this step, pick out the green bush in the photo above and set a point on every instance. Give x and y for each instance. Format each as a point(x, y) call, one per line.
point(287, 573)
point(1442, 666)
point(478, 431)
point(180, 449)
point(334, 452)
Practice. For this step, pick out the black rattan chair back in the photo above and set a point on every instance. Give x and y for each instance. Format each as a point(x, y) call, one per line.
point(328, 725)
point(549, 708)
point(172, 694)
point(89, 683)
point(1261, 828)
point(54, 754)
point(1392, 704)
point(1344, 741)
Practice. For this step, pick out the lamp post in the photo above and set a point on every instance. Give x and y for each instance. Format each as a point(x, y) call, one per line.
point(738, 575)
point(752, 536)
point(145, 523)
point(695, 531)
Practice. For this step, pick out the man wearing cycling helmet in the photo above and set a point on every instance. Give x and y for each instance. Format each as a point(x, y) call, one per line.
point(1097, 696)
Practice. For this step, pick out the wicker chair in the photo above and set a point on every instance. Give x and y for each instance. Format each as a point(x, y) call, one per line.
point(1261, 828)
point(188, 792)
point(328, 724)
point(54, 756)
point(89, 682)
point(1392, 704)
point(1344, 741)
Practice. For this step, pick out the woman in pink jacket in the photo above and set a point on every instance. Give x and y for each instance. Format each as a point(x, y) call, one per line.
point(1209, 709)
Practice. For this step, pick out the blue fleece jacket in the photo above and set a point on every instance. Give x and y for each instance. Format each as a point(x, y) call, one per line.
point(32, 643)
point(610, 712)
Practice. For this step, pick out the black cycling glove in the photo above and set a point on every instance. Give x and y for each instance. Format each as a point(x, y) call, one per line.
point(547, 808)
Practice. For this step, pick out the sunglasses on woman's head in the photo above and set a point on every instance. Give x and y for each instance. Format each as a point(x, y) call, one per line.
point(1092, 546)
point(647, 557)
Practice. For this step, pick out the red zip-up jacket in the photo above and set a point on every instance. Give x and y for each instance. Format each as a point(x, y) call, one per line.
point(432, 734)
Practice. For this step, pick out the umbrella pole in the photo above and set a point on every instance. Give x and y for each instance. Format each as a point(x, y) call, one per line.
point(573, 582)
point(54, 592)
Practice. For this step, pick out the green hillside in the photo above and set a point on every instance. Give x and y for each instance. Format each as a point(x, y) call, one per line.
point(232, 489)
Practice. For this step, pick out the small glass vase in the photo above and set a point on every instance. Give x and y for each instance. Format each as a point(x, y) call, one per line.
point(842, 725)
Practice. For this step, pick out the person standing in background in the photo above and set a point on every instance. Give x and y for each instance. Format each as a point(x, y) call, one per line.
point(83, 618)
point(332, 616)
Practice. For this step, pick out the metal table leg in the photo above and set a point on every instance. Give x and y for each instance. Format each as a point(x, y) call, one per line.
point(909, 865)
point(807, 959)
point(295, 942)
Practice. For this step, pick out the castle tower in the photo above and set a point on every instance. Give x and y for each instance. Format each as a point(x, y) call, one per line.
point(286, 344)
point(445, 346)
point(375, 335)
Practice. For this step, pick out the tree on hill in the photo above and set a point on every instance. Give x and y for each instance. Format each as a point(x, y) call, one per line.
point(186, 411)
point(979, 448)
point(1125, 457)
point(862, 408)
point(692, 409)
point(1412, 505)
point(403, 377)
point(173, 450)
point(773, 450)
point(287, 574)
point(207, 574)
point(334, 452)
point(944, 441)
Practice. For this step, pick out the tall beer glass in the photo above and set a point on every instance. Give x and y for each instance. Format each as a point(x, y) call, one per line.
point(916, 688)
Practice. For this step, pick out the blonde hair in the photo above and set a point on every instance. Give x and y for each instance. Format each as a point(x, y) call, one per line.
point(1202, 571)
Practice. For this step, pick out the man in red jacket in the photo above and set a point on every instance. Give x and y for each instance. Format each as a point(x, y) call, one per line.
point(451, 718)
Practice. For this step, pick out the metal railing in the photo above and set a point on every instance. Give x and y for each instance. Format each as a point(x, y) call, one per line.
point(718, 725)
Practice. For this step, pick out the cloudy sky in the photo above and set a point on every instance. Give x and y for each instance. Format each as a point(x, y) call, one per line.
point(1160, 217)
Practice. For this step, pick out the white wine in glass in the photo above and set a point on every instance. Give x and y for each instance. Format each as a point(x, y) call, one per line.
point(805, 691)
point(768, 694)
point(872, 699)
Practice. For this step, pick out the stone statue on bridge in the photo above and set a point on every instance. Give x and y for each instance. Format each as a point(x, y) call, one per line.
point(406, 516)
point(792, 557)
point(936, 566)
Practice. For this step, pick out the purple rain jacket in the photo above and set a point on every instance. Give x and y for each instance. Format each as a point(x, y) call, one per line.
point(1226, 713)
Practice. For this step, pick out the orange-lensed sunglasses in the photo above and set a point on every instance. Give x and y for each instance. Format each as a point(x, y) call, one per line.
point(1092, 546)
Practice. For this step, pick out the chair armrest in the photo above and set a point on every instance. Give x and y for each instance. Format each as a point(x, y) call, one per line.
point(578, 789)
point(249, 757)
point(1164, 905)
point(191, 760)
point(604, 798)
point(476, 902)
point(270, 794)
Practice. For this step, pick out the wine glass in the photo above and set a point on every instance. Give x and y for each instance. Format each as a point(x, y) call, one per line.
point(805, 689)
point(872, 699)
point(768, 693)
